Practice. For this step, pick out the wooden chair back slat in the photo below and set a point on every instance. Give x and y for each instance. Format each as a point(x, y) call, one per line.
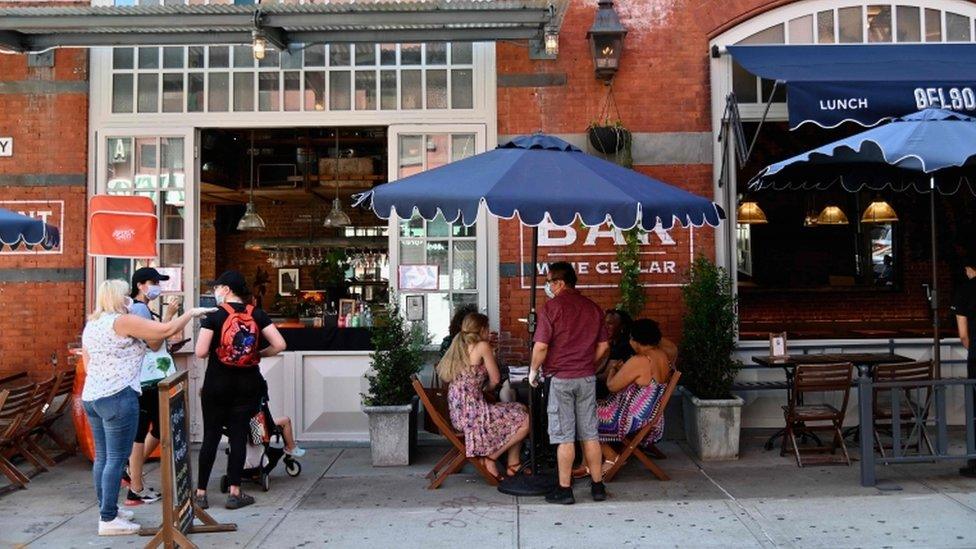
point(19, 378)
point(823, 378)
point(441, 420)
point(63, 389)
point(911, 371)
point(39, 402)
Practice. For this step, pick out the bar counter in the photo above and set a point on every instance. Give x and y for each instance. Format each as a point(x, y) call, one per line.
point(327, 339)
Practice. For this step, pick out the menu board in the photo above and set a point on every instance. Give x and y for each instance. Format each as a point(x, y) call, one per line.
point(179, 437)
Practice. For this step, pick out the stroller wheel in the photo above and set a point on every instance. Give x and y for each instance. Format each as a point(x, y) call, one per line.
point(265, 481)
point(223, 484)
point(293, 468)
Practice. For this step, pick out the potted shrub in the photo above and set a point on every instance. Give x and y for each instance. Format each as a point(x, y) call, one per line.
point(391, 403)
point(608, 137)
point(712, 413)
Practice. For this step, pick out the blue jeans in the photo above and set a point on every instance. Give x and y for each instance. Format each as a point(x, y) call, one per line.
point(113, 421)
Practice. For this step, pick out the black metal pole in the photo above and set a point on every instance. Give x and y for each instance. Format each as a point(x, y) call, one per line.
point(533, 466)
point(936, 351)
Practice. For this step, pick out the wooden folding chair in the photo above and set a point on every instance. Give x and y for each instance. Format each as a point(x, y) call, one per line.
point(807, 418)
point(33, 412)
point(631, 445)
point(455, 458)
point(914, 410)
point(13, 403)
point(63, 389)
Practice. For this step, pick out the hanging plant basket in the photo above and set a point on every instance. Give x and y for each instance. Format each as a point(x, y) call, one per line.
point(608, 139)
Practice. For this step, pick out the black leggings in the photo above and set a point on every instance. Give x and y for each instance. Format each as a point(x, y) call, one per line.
point(229, 398)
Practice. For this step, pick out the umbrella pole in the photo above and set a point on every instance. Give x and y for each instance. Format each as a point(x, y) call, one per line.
point(936, 349)
point(531, 325)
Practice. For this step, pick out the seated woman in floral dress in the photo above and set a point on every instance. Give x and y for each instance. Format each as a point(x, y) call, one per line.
point(489, 429)
point(636, 387)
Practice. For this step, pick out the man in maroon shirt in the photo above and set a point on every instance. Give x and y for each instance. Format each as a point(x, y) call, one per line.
point(569, 340)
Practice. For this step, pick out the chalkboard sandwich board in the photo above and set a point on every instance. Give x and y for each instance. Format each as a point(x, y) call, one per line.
point(179, 510)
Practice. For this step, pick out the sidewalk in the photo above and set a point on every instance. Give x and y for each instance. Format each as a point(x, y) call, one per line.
point(339, 500)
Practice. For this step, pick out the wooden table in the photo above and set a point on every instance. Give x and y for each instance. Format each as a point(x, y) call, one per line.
point(864, 362)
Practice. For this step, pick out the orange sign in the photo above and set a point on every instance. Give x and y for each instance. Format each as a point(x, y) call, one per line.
point(122, 226)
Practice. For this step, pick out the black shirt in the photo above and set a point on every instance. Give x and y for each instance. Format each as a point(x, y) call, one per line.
point(215, 321)
point(964, 304)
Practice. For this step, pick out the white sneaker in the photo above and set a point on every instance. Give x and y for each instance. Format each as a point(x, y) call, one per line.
point(117, 527)
point(125, 514)
point(297, 452)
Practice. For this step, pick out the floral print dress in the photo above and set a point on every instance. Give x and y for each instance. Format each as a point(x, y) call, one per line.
point(486, 427)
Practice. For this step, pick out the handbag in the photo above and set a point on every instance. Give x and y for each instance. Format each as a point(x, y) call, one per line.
point(156, 366)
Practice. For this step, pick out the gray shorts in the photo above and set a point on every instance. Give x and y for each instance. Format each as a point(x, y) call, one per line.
point(572, 410)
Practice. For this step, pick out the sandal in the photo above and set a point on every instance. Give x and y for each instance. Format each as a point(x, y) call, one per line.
point(484, 463)
point(513, 469)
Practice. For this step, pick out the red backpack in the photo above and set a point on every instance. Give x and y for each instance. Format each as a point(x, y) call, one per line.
point(238, 346)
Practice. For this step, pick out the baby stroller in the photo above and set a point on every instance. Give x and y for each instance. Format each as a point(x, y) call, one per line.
point(262, 457)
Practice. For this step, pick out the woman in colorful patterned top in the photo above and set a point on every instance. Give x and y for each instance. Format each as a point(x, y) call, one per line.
point(489, 429)
point(636, 387)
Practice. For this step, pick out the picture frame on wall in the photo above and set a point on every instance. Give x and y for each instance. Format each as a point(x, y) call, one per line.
point(777, 345)
point(288, 282)
point(346, 307)
point(418, 277)
point(415, 307)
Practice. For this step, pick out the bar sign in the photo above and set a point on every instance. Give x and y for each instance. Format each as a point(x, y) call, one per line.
point(6, 146)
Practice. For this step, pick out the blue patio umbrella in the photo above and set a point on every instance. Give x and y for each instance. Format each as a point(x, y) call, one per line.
point(539, 178)
point(536, 177)
point(930, 151)
point(16, 229)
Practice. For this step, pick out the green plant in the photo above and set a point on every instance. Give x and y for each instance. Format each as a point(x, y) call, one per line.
point(331, 271)
point(708, 338)
point(632, 296)
point(399, 354)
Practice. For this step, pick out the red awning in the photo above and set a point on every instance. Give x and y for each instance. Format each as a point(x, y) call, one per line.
point(122, 226)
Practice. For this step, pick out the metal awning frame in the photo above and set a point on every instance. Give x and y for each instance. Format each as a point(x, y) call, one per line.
point(32, 30)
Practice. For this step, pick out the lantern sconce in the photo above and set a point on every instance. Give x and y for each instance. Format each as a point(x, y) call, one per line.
point(545, 46)
point(606, 38)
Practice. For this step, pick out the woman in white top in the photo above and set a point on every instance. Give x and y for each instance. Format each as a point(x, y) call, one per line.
point(113, 349)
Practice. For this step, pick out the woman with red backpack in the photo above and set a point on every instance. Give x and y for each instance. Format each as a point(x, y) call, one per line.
point(233, 339)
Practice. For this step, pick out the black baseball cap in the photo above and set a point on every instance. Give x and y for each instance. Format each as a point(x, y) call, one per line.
point(145, 274)
point(233, 280)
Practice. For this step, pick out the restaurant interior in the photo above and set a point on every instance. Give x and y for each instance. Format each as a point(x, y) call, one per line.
point(833, 264)
point(276, 204)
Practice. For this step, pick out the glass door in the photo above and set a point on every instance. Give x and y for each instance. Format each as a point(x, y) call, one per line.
point(436, 265)
point(160, 167)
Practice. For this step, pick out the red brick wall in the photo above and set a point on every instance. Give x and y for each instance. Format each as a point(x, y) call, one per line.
point(50, 138)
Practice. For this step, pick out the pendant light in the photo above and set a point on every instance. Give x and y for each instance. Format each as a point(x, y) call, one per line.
point(336, 217)
point(879, 211)
point(832, 215)
point(251, 220)
point(749, 213)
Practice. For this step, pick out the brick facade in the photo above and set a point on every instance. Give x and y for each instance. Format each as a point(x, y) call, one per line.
point(663, 86)
point(42, 297)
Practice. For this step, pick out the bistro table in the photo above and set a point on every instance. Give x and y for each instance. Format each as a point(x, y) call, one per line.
point(864, 362)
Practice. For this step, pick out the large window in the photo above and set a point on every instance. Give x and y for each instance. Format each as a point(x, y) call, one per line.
point(314, 77)
point(153, 167)
point(451, 248)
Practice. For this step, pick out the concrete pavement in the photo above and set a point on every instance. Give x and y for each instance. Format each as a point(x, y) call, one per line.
point(339, 500)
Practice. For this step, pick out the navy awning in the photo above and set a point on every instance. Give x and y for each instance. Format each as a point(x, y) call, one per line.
point(831, 84)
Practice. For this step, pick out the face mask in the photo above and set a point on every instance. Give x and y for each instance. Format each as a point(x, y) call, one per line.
point(220, 299)
point(152, 292)
point(549, 293)
point(127, 302)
